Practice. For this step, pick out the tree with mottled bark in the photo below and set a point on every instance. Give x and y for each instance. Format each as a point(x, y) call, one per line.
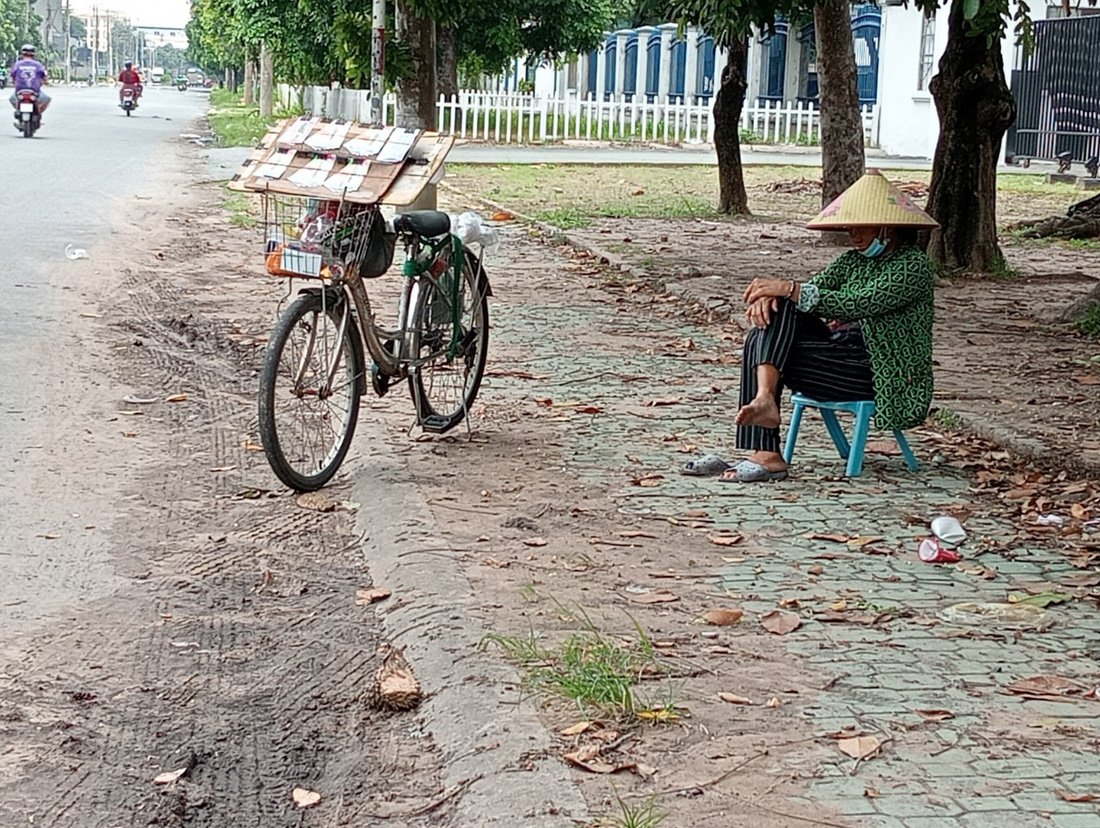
point(842, 159)
point(975, 107)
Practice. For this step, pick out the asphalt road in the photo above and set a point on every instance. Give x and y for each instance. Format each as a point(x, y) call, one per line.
point(61, 187)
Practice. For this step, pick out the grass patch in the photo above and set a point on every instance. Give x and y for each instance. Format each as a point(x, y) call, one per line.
point(241, 208)
point(1089, 323)
point(947, 419)
point(238, 125)
point(601, 676)
point(643, 815)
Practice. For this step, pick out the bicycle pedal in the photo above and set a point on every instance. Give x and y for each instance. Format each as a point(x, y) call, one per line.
point(434, 423)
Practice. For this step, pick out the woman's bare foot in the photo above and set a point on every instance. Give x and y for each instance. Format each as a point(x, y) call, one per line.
point(762, 411)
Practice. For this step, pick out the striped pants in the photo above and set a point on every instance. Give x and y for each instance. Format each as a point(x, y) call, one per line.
point(811, 359)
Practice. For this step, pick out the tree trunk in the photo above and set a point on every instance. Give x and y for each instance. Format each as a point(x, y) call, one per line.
point(448, 62)
point(267, 83)
point(416, 98)
point(728, 104)
point(249, 82)
point(975, 108)
point(841, 124)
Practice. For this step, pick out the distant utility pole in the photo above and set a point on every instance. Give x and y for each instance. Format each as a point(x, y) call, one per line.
point(378, 62)
point(68, 46)
point(95, 46)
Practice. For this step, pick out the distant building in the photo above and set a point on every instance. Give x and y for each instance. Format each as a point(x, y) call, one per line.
point(52, 13)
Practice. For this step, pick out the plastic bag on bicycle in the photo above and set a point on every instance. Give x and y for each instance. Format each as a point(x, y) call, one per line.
point(471, 228)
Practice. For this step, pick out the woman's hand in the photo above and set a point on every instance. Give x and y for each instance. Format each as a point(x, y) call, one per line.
point(761, 288)
point(759, 313)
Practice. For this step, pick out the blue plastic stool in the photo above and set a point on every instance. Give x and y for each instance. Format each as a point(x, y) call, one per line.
point(864, 410)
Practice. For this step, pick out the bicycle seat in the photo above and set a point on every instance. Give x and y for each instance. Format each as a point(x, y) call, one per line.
point(426, 223)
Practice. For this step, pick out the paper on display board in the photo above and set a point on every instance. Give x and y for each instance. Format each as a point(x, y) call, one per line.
point(298, 131)
point(314, 173)
point(329, 137)
point(369, 144)
point(398, 146)
point(350, 178)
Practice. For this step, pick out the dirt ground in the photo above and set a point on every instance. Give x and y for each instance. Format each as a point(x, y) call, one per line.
point(233, 648)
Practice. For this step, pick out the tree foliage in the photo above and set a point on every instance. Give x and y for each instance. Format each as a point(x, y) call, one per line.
point(18, 25)
point(319, 41)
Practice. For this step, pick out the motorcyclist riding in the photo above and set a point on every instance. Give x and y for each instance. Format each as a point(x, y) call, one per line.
point(129, 77)
point(28, 73)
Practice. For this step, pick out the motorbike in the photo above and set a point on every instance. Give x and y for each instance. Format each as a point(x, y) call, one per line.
point(181, 84)
point(26, 108)
point(129, 99)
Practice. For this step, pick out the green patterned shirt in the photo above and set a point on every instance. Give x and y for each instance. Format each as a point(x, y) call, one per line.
point(891, 297)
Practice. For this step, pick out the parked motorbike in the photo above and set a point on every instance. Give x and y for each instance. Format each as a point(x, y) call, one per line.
point(26, 109)
point(129, 99)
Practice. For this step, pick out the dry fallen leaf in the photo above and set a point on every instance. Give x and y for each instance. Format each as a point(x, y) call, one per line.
point(1047, 687)
point(502, 215)
point(168, 777)
point(1066, 796)
point(579, 727)
point(935, 715)
point(859, 747)
point(1079, 512)
point(774, 702)
point(861, 541)
point(660, 596)
point(725, 540)
point(663, 401)
point(1087, 379)
point(835, 537)
point(305, 798)
point(815, 570)
point(722, 617)
point(635, 533)
point(176, 398)
point(733, 698)
point(779, 622)
point(589, 409)
point(587, 757)
point(534, 541)
point(365, 595)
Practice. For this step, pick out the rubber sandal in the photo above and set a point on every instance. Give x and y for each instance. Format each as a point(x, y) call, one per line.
point(706, 466)
point(750, 472)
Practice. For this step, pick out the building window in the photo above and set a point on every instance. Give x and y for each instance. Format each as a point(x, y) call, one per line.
point(927, 50)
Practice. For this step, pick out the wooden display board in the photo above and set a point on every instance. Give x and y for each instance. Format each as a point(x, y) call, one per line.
point(331, 159)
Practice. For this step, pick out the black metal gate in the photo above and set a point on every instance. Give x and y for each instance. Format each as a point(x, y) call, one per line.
point(1057, 92)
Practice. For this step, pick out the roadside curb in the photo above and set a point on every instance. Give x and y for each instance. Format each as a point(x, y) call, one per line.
point(1002, 435)
point(496, 754)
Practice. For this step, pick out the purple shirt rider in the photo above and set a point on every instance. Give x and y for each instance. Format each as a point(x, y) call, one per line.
point(28, 74)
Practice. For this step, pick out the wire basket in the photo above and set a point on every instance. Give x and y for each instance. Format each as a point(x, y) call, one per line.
point(317, 239)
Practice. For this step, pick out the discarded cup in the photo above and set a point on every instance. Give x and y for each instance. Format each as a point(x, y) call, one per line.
point(72, 252)
point(948, 530)
point(931, 551)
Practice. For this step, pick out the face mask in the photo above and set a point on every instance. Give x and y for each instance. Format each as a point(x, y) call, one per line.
point(875, 248)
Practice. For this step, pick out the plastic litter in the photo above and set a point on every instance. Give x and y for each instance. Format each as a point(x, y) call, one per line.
point(472, 229)
point(931, 551)
point(73, 252)
point(979, 614)
point(1049, 520)
point(948, 530)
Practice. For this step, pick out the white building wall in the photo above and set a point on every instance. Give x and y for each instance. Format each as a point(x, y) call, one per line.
point(909, 124)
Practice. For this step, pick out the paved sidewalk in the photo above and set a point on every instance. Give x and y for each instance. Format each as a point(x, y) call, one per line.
point(959, 748)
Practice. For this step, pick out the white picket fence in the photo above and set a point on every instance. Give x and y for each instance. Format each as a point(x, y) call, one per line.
point(514, 118)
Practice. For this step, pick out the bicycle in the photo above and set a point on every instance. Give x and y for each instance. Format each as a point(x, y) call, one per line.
point(315, 370)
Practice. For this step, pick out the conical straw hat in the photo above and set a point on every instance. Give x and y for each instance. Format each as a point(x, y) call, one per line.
point(871, 202)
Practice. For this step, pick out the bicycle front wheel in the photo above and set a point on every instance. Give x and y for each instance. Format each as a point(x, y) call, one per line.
point(448, 361)
point(309, 390)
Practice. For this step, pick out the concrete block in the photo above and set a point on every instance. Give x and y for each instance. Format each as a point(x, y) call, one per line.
point(1061, 178)
point(1089, 183)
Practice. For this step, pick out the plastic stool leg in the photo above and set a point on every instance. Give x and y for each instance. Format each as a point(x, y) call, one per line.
point(792, 432)
point(835, 431)
point(859, 440)
point(903, 444)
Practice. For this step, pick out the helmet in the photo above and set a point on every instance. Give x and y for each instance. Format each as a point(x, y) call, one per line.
point(129, 64)
point(27, 49)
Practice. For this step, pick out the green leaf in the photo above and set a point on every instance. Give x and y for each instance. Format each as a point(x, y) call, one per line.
point(970, 8)
point(1043, 599)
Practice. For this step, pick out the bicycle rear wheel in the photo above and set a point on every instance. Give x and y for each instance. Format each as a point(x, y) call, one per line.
point(309, 390)
point(450, 365)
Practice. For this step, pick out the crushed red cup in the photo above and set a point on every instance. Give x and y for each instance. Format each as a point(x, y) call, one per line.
point(932, 551)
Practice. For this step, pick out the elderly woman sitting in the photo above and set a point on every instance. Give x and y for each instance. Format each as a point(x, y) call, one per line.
point(878, 346)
